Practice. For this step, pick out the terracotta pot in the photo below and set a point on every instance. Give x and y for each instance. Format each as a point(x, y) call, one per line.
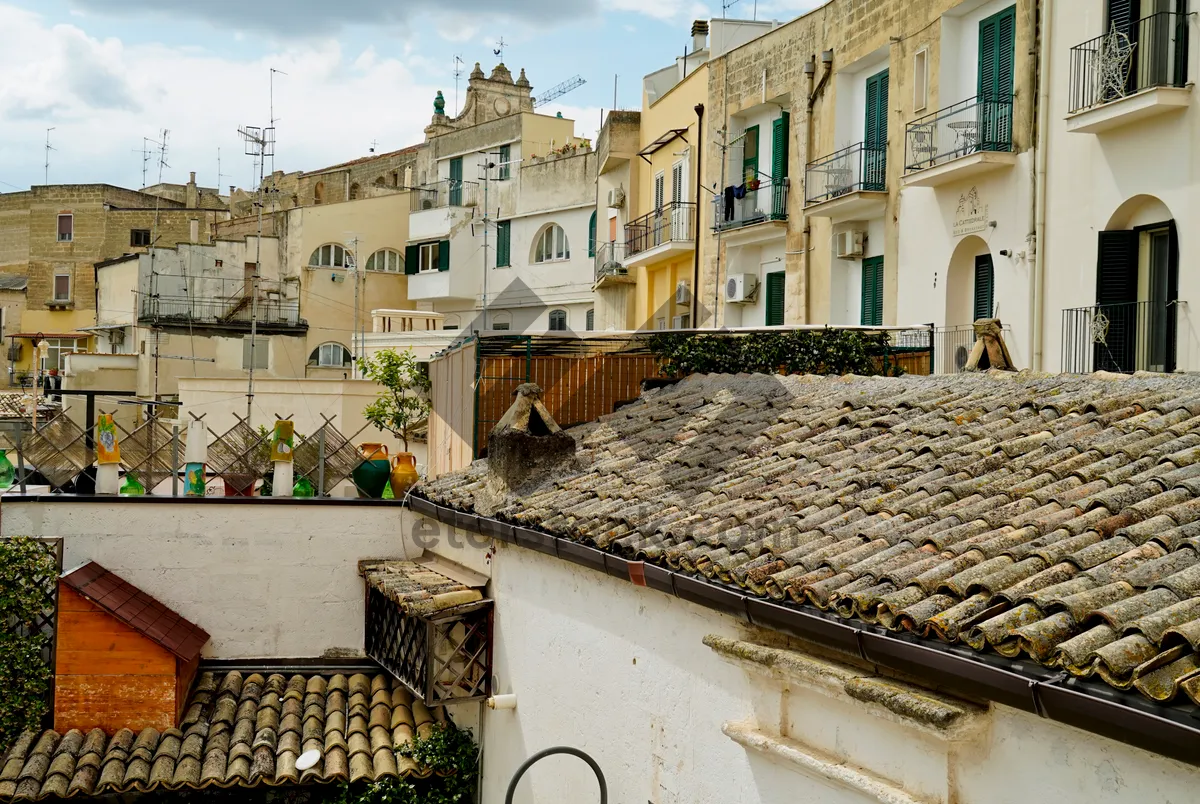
point(404, 474)
point(237, 485)
point(373, 452)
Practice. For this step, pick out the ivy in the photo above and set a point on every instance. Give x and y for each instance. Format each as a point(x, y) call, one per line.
point(826, 351)
point(28, 573)
point(452, 756)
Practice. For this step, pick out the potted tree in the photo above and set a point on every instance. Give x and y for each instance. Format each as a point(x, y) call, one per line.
point(402, 405)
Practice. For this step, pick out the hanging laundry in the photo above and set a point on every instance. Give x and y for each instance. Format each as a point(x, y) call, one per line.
point(729, 195)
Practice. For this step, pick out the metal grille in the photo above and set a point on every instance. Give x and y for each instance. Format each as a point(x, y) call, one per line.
point(46, 623)
point(444, 658)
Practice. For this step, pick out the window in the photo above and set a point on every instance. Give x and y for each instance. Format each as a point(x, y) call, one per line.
point(660, 322)
point(552, 245)
point(505, 163)
point(592, 236)
point(431, 257)
point(659, 180)
point(875, 134)
point(56, 355)
point(327, 355)
point(66, 228)
point(590, 321)
point(776, 295)
point(456, 182)
point(331, 255)
point(387, 260)
point(920, 79)
point(139, 237)
point(503, 244)
point(750, 154)
point(354, 191)
point(558, 320)
point(261, 352)
point(997, 50)
point(62, 284)
point(984, 287)
point(872, 292)
point(318, 192)
point(502, 326)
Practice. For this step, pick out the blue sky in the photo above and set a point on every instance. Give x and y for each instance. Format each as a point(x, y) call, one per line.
point(108, 73)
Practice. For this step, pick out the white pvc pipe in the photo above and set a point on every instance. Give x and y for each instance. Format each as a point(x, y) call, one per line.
point(502, 701)
point(108, 478)
point(282, 482)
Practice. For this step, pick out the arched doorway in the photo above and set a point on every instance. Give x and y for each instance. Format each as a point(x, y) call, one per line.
point(970, 296)
point(1133, 325)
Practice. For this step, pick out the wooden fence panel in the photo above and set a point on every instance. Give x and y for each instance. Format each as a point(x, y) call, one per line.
point(451, 420)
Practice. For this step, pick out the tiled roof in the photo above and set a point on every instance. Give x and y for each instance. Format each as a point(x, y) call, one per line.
point(1056, 517)
point(236, 731)
point(418, 588)
point(138, 610)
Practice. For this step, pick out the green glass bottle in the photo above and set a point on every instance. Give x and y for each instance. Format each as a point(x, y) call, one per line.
point(303, 488)
point(7, 470)
point(132, 487)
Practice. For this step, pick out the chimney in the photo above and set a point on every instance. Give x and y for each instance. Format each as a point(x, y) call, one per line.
point(699, 35)
point(525, 449)
point(193, 198)
point(232, 187)
point(989, 351)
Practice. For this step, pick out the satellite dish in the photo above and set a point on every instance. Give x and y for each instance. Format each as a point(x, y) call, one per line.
point(308, 759)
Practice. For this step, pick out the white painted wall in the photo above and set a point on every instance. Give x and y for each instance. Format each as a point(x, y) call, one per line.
point(850, 99)
point(621, 672)
point(265, 580)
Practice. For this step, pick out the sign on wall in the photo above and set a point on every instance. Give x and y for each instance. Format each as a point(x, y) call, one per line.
point(971, 215)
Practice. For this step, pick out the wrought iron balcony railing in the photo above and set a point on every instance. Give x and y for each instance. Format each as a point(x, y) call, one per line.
point(672, 223)
point(856, 168)
point(1137, 336)
point(968, 127)
point(1146, 53)
point(609, 258)
point(441, 194)
point(227, 304)
point(754, 202)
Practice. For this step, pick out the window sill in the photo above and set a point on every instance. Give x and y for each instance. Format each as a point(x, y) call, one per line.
point(551, 262)
point(60, 303)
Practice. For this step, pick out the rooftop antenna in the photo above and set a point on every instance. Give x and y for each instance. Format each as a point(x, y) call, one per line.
point(49, 148)
point(374, 145)
point(499, 51)
point(146, 153)
point(273, 117)
point(260, 143)
point(458, 71)
point(220, 176)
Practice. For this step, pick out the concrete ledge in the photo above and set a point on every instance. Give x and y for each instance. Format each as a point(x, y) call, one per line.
point(1139, 106)
point(858, 205)
point(818, 764)
point(960, 169)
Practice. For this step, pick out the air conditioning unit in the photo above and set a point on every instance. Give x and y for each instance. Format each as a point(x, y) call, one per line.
point(849, 244)
point(337, 278)
point(682, 294)
point(681, 322)
point(739, 288)
point(616, 197)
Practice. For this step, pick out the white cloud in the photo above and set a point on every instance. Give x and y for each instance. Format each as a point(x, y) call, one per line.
point(663, 10)
point(102, 96)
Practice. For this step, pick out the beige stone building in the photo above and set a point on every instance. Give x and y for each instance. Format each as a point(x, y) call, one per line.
point(55, 235)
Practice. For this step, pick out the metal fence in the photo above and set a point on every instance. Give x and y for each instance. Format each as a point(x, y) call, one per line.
point(609, 258)
point(446, 193)
point(753, 202)
point(853, 169)
point(672, 223)
point(1137, 336)
point(974, 125)
point(229, 303)
point(1145, 53)
point(952, 347)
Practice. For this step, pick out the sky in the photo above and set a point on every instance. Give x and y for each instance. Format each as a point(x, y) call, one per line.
point(109, 76)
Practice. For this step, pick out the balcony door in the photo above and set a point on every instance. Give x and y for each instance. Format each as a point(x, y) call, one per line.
point(456, 182)
point(874, 168)
point(656, 233)
point(1157, 34)
point(679, 221)
point(997, 50)
point(1133, 325)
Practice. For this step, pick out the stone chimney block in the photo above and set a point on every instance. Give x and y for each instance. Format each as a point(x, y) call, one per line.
point(699, 35)
point(525, 449)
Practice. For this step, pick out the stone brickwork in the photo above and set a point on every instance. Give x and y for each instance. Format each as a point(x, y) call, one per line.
point(770, 69)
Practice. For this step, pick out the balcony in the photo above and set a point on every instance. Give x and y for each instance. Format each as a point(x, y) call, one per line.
point(1129, 75)
point(436, 208)
point(850, 184)
point(610, 266)
point(759, 201)
point(224, 304)
point(952, 347)
point(959, 142)
point(668, 230)
point(1137, 336)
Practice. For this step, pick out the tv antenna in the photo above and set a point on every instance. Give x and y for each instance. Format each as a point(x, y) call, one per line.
point(499, 50)
point(220, 176)
point(49, 148)
point(146, 153)
point(260, 143)
point(458, 72)
point(570, 85)
point(274, 119)
point(374, 145)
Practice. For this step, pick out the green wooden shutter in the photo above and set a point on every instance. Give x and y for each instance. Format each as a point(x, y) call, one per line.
point(871, 312)
point(997, 43)
point(592, 236)
point(875, 134)
point(412, 259)
point(984, 287)
point(780, 131)
point(1116, 292)
point(456, 182)
point(776, 297)
point(1121, 15)
point(505, 158)
point(750, 154)
point(503, 244)
point(444, 255)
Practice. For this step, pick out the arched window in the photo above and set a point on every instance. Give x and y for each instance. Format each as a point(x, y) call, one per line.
point(501, 321)
point(386, 259)
point(354, 191)
point(450, 322)
point(551, 245)
point(331, 255)
point(318, 192)
point(379, 182)
point(330, 355)
point(558, 320)
point(592, 236)
point(591, 320)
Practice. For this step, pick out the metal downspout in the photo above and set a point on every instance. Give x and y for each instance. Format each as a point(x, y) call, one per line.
point(696, 223)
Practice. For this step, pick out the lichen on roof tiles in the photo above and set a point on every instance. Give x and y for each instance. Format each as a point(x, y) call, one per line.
point(1055, 516)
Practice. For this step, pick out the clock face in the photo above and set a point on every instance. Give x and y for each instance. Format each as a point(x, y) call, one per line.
point(501, 105)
